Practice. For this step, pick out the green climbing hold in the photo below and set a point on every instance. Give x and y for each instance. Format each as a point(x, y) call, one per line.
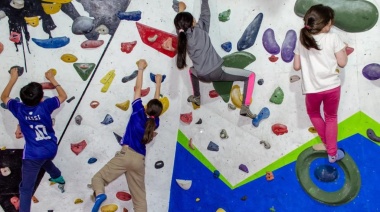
point(235, 60)
point(224, 16)
point(350, 15)
point(277, 96)
point(84, 69)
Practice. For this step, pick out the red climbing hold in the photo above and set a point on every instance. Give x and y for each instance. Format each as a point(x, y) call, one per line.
point(47, 85)
point(213, 94)
point(92, 44)
point(124, 196)
point(144, 92)
point(127, 47)
point(279, 129)
point(15, 37)
point(273, 58)
point(349, 50)
point(187, 117)
point(78, 147)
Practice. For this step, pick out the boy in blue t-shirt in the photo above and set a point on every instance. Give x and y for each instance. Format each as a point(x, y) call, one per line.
point(34, 116)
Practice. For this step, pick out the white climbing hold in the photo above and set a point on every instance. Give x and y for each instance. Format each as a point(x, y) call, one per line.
point(184, 184)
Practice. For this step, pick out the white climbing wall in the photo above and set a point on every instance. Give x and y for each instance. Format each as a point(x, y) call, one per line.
point(242, 146)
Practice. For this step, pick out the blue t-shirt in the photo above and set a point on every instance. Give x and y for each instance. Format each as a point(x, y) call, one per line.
point(37, 127)
point(136, 127)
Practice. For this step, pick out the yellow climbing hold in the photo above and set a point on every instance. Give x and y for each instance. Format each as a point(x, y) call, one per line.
point(54, 71)
point(58, 1)
point(3, 148)
point(51, 8)
point(78, 201)
point(124, 105)
point(312, 130)
point(32, 21)
point(165, 104)
point(69, 58)
point(107, 80)
point(236, 96)
point(220, 210)
point(109, 208)
point(195, 106)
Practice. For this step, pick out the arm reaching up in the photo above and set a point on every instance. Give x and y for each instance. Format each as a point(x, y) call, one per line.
point(158, 86)
point(141, 64)
point(7, 90)
point(62, 96)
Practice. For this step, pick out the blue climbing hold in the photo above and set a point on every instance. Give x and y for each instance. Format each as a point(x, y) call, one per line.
point(213, 146)
point(249, 36)
point(52, 43)
point(216, 174)
point(107, 120)
point(20, 70)
point(130, 77)
point(227, 46)
point(264, 113)
point(326, 173)
point(92, 160)
point(130, 16)
point(153, 77)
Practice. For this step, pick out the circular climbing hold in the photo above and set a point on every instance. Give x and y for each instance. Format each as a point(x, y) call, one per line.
point(6, 171)
point(78, 200)
point(197, 199)
point(78, 119)
point(350, 188)
point(124, 196)
point(159, 164)
point(220, 210)
point(223, 134)
point(94, 104)
point(216, 174)
point(260, 82)
point(244, 198)
point(326, 173)
point(92, 160)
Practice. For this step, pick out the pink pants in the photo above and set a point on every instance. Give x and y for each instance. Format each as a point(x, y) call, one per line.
point(327, 128)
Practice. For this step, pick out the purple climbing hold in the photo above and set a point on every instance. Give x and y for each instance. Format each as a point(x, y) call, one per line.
point(288, 46)
point(269, 42)
point(130, 16)
point(243, 168)
point(227, 46)
point(107, 120)
point(249, 36)
point(372, 135)
point(371, 71)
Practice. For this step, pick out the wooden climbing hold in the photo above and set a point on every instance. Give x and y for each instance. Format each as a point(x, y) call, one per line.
point(279, 129)
point(94, 104)
point(124, 105)
point(78, 201)
point(123, 196)
point(109, 208)
point(34, 199)
point(186, 117)
point(78, 147)
point(269, 176)
point(184, 184)
point(191, 145)
point(69, 58)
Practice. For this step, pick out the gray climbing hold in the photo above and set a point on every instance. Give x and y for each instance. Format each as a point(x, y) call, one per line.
point(78, 119)
point(107, 120)
point(199, 121)
point(243, 168)
point(266, 144)
point(71, 99)
point(82, 25)
point(371, 134)
point(260, 82)
point(294, 78)
point(223, 134)
point(231, 106)
point(20, 70)
point(130, 77)
point(213, 146)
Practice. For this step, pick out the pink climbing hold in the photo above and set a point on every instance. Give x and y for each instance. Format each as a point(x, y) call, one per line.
point(78, 147)
point(279, 129)
point(187, 117)
point(15, 37)
point(15, 202)
point(349, 50)
point(127, 47)
point(91, 44)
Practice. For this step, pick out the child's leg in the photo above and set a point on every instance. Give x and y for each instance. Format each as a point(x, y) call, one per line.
point(29, 170)
point(51, 169)
point(195, 83)
point(313, 104)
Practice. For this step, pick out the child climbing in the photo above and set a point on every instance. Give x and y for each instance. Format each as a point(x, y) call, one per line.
point(130, 159)
point(318, 54)
point(194, 40)
point(34, 116)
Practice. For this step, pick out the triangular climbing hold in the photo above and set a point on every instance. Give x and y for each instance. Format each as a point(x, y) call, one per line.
point(118, 137)
point(84, 69)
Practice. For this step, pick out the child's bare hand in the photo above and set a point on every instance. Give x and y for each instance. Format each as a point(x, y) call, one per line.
point(14, 73)
point(49, 74)
point(158, 78)
point(142, 64)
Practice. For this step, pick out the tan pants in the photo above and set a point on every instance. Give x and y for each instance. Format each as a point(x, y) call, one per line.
point(130, 163)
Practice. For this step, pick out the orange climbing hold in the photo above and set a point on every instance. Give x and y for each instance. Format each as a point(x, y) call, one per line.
point(94, 104)
point(273, 58)
point(34, 199)
point(269, 175)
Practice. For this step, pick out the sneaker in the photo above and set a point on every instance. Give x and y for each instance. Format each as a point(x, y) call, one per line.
point(58, 180)
point(194, 99)
point(244, 111)
point(98, 201)
point(339, 156)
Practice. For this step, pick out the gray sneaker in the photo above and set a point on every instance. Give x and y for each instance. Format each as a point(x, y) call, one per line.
point(244, 111)
point(194, 99)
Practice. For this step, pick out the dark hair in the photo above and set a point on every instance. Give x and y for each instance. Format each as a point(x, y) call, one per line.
point(153, 108)
point(182, 21)
point(315, 19)
point(31, 94)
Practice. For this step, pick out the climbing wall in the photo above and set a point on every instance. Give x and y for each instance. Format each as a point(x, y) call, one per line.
point(233, 163)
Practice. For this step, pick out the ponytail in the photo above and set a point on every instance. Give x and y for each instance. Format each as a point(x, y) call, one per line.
point(153, 110)
point(150, 126)
point(183, 21)
point(181, 50)
point(307, 40)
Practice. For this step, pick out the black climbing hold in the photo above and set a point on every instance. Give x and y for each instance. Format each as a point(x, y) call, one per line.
point(118, 137)
point(199, 121)
point(260, 81)
point(159, 164)
point(244, 198)
point(71, 99)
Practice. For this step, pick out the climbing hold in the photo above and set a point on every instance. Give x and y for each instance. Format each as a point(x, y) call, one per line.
point(82, 25)
point(129, 16)
point(213, 94)
point(102, 29)
point(371, 135)
point(294, 78)
point(165, 104)
point(224, 16)
point(288, 46)
point(220, 210)
point(20, 70)
point(51, 8)
point(107, 80)
point(271, 209)
point(5, 171)
point(264, 113)
point(124, 105)
point(216, 174)
point(78, 147)
point(244, 168)
point(371, 71)
point(197, 199)
point(178, 6)
point(277, 96)
point(213, 146)
point(118, 137)
point(199, 121)
point(69, 58)
point(84, 69)
point(70, 99)
point(223, 134)
point(109, 208)
point(249, 36)
point(1, 47)
point(279, 129)
point(260, 81)
point(186, 117)
point(227, 46)
point(52, 43)
point(168, 45)
point(15, 202)
point(244, 198)
point(266, 144)
point(53, 70)
point(273, 58)
point(269, 42)
point(92, 160)
point(153, 38)
point(130, 77)
point(34, 199)
point(159, 164)
point(107, 120)
point(78, 201)
point(236, 96)
point(231, 106)
point(78, 119)
point(127, 47)
point(125, 210)
point(47, 85)
point(32, 21)
point(90, 44)
point(326, 173)
point(191, 145)
point(269, 176)
point(349, 50)
point(15, 37)
point(3, 148)
point(184, 184)
point(94, 104)
point(312, 130)
point(123, 196)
